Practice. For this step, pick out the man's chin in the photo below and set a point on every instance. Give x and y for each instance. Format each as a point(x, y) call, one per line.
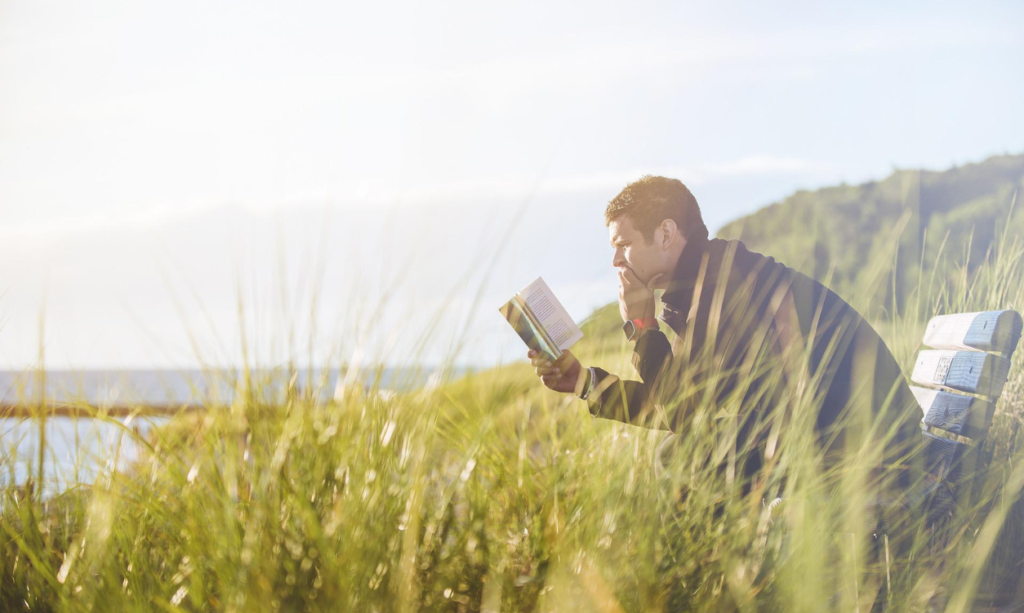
point(646, 280)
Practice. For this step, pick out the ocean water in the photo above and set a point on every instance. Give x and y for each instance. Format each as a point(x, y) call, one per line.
point(77, 450)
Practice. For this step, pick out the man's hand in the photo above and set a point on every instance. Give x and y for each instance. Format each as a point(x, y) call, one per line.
point(636, 300)
point(561, 375)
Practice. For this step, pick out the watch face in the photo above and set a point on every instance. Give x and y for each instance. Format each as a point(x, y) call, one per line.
point(630, 329)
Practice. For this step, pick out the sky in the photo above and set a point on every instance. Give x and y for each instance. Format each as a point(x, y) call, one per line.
point(187, 183)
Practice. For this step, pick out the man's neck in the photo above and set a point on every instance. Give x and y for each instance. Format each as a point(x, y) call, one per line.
point(688, 262)
point(674, 256)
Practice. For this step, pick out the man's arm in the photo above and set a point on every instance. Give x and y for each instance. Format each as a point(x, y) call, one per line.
point(632, 402)
point(651, 355)
point(607, 396)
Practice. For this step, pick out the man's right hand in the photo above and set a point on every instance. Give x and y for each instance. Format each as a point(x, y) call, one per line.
point(561, 375)
point(636, 299)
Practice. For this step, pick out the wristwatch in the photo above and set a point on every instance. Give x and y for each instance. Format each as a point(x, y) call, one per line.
point(634, 327)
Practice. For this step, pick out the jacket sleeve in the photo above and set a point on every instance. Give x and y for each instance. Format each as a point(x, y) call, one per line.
point(633, 402)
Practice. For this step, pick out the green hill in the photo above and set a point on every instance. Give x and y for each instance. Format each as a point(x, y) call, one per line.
point(940, 219)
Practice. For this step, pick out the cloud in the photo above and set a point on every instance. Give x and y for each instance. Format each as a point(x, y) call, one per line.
point(496, 190)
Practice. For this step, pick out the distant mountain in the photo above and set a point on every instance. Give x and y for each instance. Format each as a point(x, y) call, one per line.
point(855, 228)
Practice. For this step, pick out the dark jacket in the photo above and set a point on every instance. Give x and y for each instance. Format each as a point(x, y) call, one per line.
point(761, 342)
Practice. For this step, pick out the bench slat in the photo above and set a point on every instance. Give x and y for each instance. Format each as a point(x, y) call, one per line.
point(949, 460)
point(968, 371)
point(956, 413)
point(997, 331)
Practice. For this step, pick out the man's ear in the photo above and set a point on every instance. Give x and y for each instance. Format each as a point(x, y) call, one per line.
point(669, 233)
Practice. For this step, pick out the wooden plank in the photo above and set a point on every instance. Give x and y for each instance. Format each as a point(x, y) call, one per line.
point(955, 413)
point(26, 411)
point(968, 371)
point(954, 462)
point(997, 331)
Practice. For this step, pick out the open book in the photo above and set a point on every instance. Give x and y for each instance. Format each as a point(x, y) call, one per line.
point(540, 320)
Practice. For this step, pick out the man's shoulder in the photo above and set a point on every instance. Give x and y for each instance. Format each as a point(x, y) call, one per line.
point(769, 270)
point(742, 263)
point(746, 258)
point(750, 274)
point(737, 250)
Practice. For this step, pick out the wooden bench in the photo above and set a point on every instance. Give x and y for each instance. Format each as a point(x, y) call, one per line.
point(957, 383)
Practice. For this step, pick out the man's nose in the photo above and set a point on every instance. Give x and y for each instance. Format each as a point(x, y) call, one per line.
point(618, 259)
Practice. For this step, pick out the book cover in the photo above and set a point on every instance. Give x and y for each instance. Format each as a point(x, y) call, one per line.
point(540, 320)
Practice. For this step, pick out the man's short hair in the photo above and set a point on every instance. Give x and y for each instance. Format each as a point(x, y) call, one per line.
point(650, 200)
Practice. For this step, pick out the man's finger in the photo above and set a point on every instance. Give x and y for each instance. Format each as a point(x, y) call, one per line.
point(630, 279)
point(623, 280)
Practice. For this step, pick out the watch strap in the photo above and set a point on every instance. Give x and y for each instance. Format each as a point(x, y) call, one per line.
point(633, 327)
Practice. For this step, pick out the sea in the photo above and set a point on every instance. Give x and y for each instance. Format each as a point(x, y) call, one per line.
point(78, 449)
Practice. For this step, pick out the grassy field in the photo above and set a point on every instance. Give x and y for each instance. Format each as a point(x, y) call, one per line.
point(491, 493)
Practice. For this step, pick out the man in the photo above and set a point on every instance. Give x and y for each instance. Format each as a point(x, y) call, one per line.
point(754, 340)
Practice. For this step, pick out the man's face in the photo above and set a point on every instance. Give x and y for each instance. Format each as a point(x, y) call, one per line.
point(633, 252)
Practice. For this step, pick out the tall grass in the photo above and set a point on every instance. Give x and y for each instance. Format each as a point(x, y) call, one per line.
point(491, 493)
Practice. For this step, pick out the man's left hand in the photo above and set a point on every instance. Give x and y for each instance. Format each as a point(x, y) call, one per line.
point(636, 299)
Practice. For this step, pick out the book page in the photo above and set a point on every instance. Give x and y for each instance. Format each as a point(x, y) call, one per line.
point(551, 315)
